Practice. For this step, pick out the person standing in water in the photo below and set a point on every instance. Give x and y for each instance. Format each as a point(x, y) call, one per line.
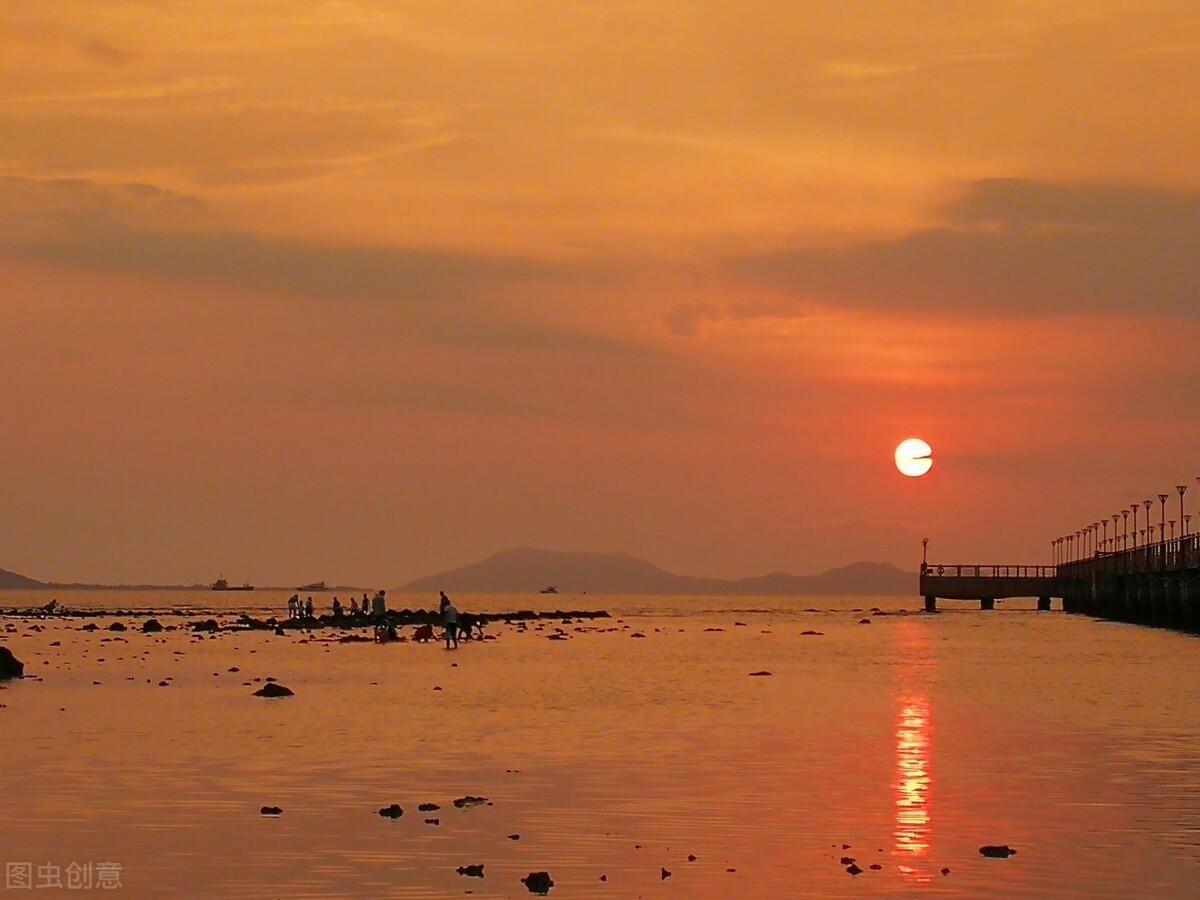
point(308, 609)
point(449, 620)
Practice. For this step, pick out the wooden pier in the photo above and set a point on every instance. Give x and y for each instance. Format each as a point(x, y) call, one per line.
point(1155, 584)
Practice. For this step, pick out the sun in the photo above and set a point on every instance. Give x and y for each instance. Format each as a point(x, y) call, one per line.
point(914, 457)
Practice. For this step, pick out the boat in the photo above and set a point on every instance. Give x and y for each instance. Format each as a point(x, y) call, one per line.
point(549, 590)
point(315, 586)
point(222, 585)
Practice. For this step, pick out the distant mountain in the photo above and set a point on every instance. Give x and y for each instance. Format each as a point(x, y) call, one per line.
point(11, 580)
point(525, 570)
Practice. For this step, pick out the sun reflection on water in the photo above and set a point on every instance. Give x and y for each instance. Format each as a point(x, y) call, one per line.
point(913, 778)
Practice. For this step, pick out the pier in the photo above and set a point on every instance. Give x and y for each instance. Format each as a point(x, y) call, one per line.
point(1154, 584)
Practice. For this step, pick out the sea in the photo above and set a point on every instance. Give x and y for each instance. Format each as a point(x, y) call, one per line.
point(685, 747)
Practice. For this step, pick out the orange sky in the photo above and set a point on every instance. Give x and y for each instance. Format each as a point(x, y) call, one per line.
point(359, 290)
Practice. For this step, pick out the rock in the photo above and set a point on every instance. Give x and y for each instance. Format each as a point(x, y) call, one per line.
point(151, 626)
point(1003, 851)
point(10, 666)
point(392, 812)
point(691, 857)
point(637, 634)
point(467, 801)
point(471, 871)
point(811, 633)
point(233, 669)
point(514, 837)
point(604, 878)
point(433, 821)
point(864, 621)
point(945, 871)
point(164, 684)
point(116, 626)
point(90, 626)
point(759, 674)
point(847, 860)
point(273, 690)
point(428, 807)
point(665, 874)
point(853, 869)
point(876, 866)
point(271, 811)
point(538, 882)
point(206, 625)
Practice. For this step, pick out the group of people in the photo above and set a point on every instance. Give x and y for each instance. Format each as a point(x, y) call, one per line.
point(375, 607)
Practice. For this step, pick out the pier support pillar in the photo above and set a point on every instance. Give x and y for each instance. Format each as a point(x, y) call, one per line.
point(1043, 604)
point(931, 604)
point(987, 603)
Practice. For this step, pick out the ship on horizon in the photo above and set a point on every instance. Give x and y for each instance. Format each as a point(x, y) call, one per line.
point(222, 585)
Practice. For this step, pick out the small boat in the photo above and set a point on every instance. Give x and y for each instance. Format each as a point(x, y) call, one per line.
point(315, 586)
point(549, 590)
point(222, 585)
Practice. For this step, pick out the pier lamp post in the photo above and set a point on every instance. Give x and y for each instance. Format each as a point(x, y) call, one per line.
point(1182, 488)
point(1187, 520)
point(1148, 504)
point(1171, 522)
point(1104, 545)
point(1125, 534)
point(1162, 522)
point(1134, 508)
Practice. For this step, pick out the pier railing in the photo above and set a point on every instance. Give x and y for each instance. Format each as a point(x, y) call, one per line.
point(1170, 555)
point(986, 570)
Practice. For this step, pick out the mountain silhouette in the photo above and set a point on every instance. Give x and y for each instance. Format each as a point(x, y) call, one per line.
point(11, 580)
point(525, 570)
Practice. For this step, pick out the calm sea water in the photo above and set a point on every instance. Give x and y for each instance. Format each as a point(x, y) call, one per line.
point(913, 740)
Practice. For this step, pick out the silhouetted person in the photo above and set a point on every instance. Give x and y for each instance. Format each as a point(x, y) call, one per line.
point(337, 608)
point(293, 603)
point(449, 620)
point(308, 609)
point(353, 607)
point(379, 605)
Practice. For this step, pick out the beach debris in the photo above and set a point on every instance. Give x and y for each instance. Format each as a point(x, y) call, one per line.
point(273, 689)
point(665, 873)
point(271, 811)
point(10, 666)
point(538, 882)
point(994, 851)
point(853, 869)
point(151, 626)
point(394, 811)
point(759, 674)
point(471, 871)
point(469, 801)
point(116, 626)
point(428, 807)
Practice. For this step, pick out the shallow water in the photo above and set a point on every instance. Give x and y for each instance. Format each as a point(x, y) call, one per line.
point(914, 740)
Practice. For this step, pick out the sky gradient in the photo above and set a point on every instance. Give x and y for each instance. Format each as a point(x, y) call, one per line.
point(360, 290)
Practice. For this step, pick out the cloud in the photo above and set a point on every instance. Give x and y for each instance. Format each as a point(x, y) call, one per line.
point(1013, 246)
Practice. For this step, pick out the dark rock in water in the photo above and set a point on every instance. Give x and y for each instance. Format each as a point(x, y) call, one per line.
point(10, 666)
point(428, 807)
point(271, 811)
point(233, 669)
point(433, 821)
point(464, 802)
point(604, 878)
point(1002, 851)
point(691, 857)
point(665, 874)
point(90, 626)
point(637, 634)
point(164, 684)
point(273, 690)
point(758, 674)
point(152, 626)
point(811, 633)
point(392, 812)
point(847, 860)
point(514, 837)
point(853, 869)
point(945, 871)
point(116, 626)
point(471, 871)
point(876, 866)
point(538, 882)
point(864, 621)
point(206, 625)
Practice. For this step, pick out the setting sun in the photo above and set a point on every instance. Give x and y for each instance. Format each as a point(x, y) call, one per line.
point(914, 457)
